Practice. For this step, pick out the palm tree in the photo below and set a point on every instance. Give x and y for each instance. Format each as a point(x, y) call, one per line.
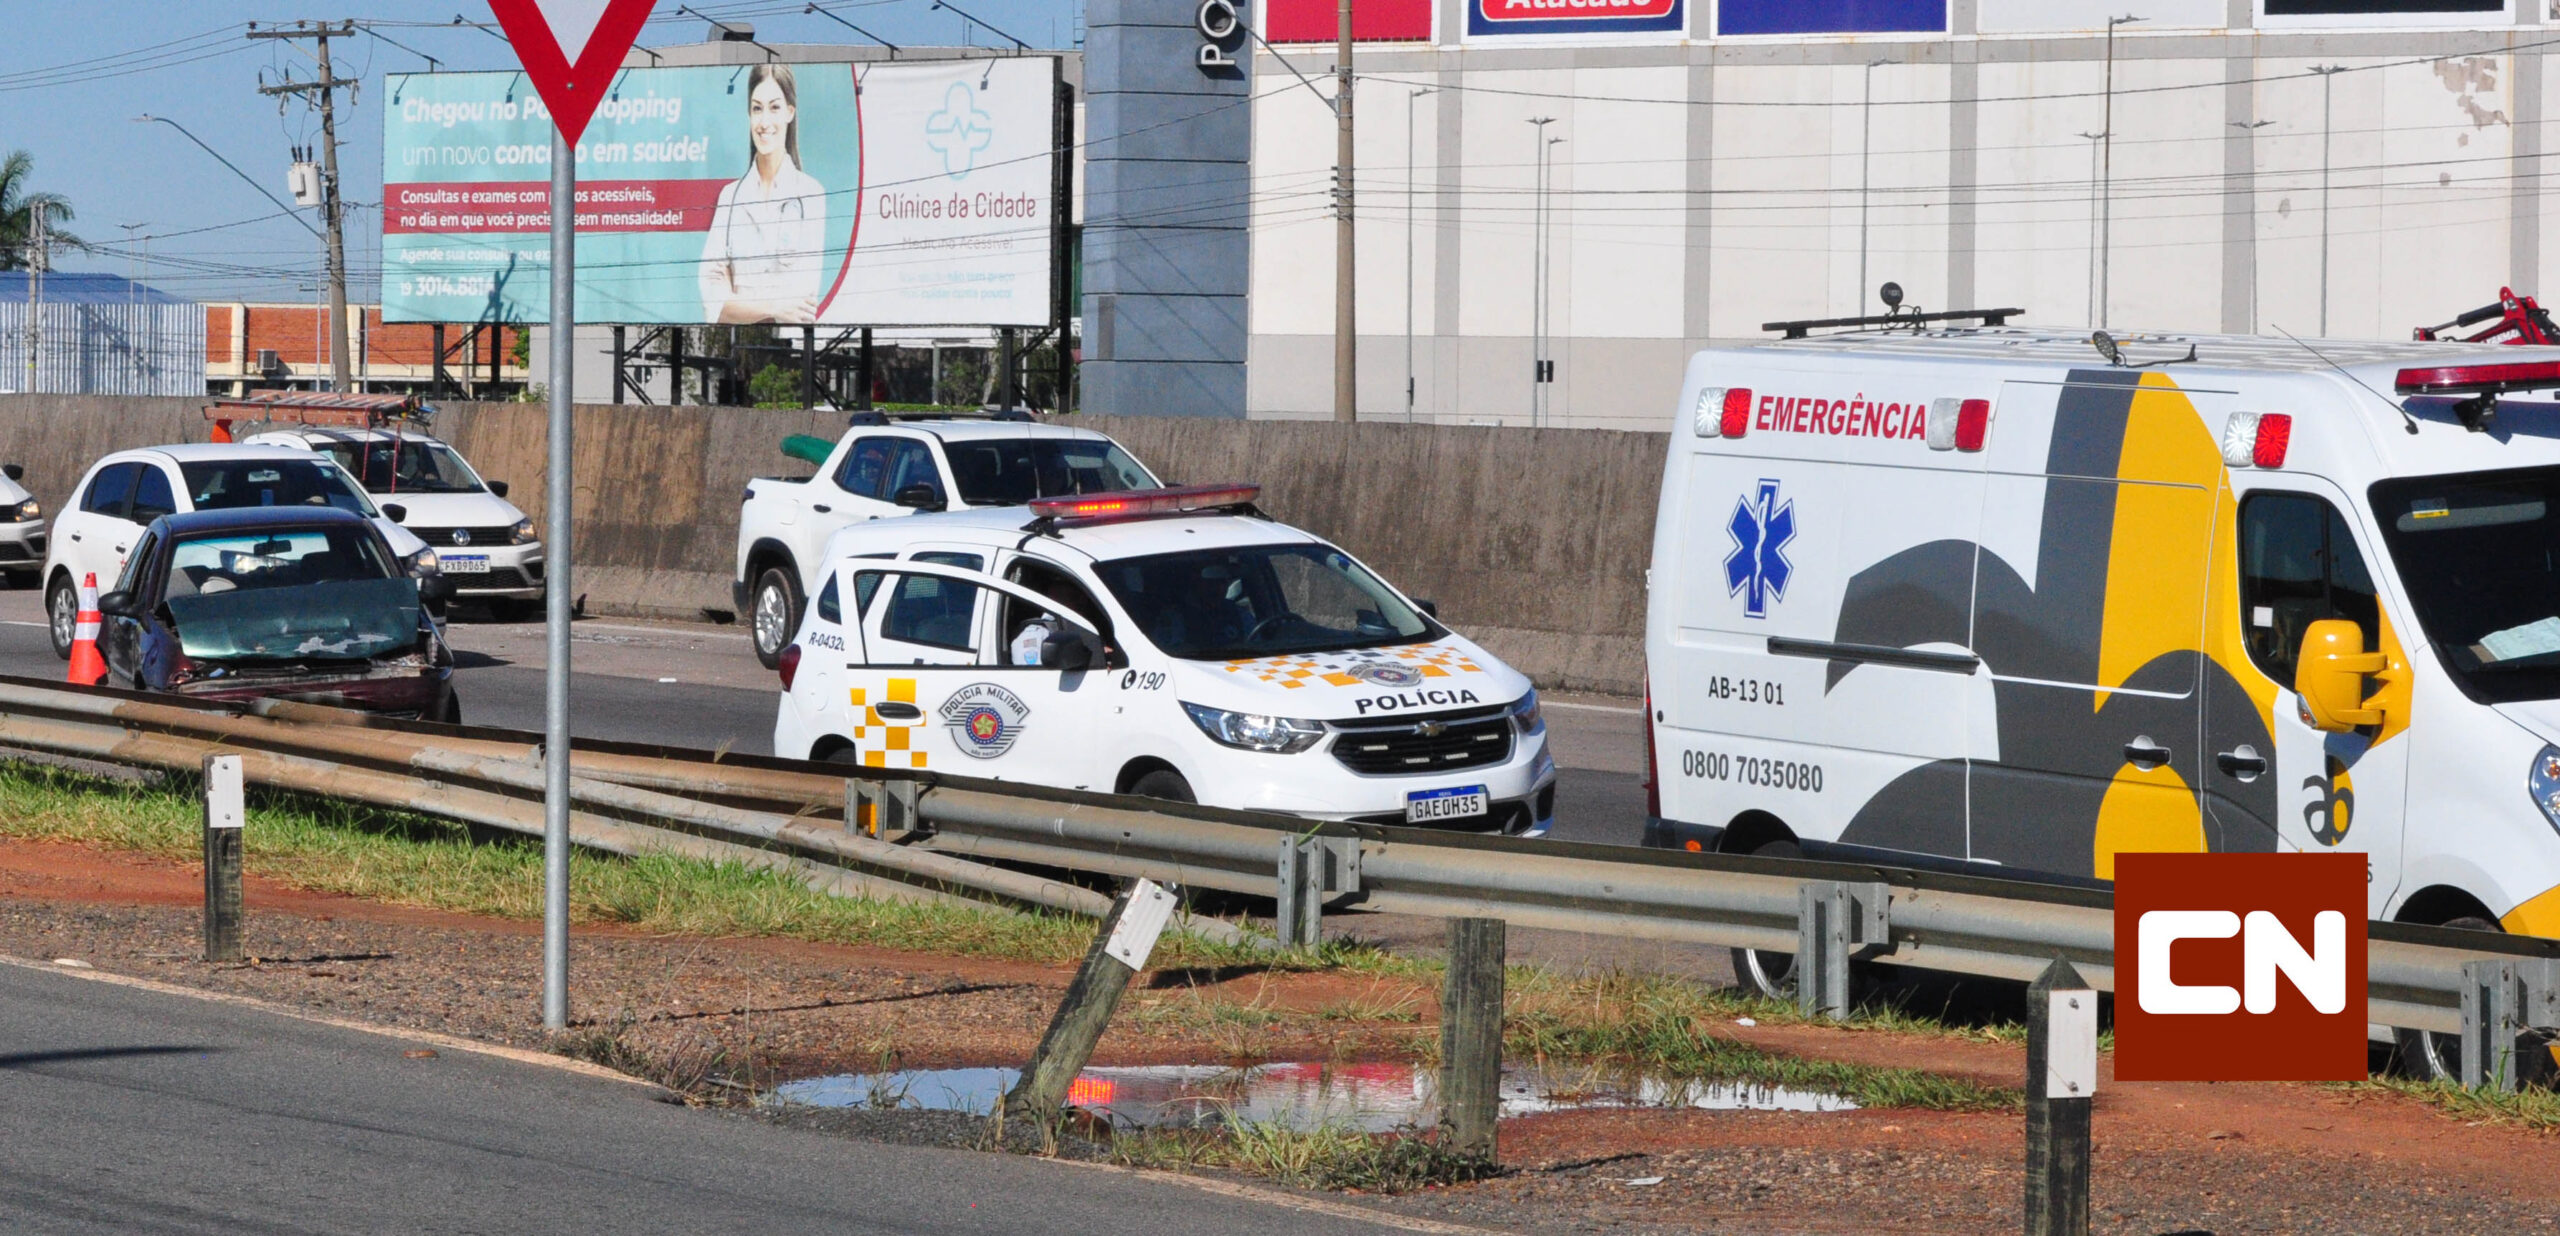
point(18, 207)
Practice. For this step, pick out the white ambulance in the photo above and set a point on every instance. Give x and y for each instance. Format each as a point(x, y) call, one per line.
point(1169, 642)
point(2023, 601)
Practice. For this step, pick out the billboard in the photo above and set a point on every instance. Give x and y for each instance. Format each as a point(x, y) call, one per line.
point(1373, 21)
point(836, 193)
point(1831, 16)
point(1583, 17)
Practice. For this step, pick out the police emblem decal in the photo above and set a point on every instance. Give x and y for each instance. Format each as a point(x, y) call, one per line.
point(1385, 674)
point(984, 719)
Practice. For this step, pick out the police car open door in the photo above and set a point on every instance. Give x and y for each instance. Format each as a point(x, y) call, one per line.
point(935, 686)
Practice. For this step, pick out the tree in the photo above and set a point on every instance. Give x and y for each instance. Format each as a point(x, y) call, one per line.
point(18, 207)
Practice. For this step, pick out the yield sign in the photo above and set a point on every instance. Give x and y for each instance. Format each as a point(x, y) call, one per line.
point(570, 50)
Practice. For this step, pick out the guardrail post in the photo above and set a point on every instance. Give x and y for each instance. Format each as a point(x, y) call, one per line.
point(1120, 949)
point(1471, 1037)
point(1835, 922)
point(1301, 894)
point(888, 810)
point(2508, 1008)
point(2062, 1074)
point(225, 810)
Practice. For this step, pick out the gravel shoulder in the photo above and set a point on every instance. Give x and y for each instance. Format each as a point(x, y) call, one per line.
point(752, 1012)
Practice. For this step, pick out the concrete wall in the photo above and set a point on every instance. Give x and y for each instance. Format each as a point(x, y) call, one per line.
point(1701, 188)
point(1534, 542)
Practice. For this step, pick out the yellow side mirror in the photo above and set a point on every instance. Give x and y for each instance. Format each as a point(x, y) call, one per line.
point(2330, 676)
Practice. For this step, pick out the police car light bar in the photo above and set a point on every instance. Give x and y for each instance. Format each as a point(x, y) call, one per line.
point(2478, 379)
point(1136, 503)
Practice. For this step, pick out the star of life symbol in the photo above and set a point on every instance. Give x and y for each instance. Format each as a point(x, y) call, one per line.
point(960, 130)
point(1757, 569)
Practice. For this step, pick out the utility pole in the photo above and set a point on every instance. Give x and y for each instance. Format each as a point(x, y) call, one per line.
point(2249, 128)
point(1866, 143)
point(1346, 318)
point(326, 86)
point(2327, 72)
point(1409, 194)
point(2107, 198)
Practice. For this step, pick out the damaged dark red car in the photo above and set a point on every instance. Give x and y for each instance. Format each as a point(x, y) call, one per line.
point(302, 602)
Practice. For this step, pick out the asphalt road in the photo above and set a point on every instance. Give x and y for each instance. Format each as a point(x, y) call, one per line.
point(696, 685)
point(135, 1110)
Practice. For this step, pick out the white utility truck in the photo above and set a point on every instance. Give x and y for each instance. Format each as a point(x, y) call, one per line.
point(882, 468)
point(2018, 601)
point(1170, 642)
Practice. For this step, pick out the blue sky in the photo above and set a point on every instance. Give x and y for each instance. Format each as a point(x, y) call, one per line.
point(73, 77)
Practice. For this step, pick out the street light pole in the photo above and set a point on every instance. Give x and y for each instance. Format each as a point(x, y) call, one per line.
point(2250, 128)
point(2093, 224)
point(1346, 339)
point(1866, 143)
point(1409, 195)
point(2107, 201)
point(2326, 72)
point(1537, 261)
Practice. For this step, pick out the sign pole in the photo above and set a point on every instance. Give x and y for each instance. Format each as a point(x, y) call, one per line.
point(558, 496)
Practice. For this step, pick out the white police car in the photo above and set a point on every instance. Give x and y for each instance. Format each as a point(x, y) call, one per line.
point(1172, 643)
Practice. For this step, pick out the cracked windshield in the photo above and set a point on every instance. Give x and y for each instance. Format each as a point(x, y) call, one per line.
point(309, 594)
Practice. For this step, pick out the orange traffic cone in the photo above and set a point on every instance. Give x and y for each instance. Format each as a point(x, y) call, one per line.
point(88, 669)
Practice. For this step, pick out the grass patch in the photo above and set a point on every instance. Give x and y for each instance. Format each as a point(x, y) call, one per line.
point(329, 846)
point(2530, 1108)
point(1331, 1159)
point(1665, 1025)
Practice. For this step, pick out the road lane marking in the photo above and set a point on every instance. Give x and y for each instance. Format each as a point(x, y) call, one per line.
point(450, 1042)
point(1624, 712)
point(1274, 1197)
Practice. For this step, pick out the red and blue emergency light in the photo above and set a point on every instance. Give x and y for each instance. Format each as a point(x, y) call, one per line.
point(1140, 503)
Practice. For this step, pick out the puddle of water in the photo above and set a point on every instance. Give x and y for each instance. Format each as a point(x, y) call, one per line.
point(1373, 1098)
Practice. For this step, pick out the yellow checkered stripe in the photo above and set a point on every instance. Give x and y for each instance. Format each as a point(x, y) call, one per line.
point(881, 742)
point(1294, 672)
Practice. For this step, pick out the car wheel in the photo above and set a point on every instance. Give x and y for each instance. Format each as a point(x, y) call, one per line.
point(62, 615)
point(776, 614)
point(1166, 784)
point(2425, 1054)
point(452, 712)
point(1764, 972)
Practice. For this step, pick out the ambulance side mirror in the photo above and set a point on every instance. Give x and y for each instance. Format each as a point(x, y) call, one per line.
point(2330, 676)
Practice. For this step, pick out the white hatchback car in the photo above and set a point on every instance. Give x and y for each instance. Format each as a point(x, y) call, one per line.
point(22, 533)
point(122, 493)
point(483, 543)
point(1170, 643)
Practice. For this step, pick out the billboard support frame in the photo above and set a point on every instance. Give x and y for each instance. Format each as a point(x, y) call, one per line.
point(1062, 310)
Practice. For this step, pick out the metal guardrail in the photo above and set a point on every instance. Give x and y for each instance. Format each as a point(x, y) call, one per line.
point(1829, 913)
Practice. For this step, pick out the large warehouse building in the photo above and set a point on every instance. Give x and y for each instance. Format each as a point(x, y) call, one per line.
point(1608, 184)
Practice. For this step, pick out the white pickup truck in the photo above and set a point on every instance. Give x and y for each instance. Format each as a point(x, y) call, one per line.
point(882, 469)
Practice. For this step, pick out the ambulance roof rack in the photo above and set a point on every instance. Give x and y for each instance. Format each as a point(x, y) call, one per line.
point(1987, 317)
point(1050, 514)
point(350, 410)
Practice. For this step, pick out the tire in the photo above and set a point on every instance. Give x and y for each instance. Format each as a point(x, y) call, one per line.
point(773, 614)
point(62, 615)
point(1166, 784)
point(1762, 972)
point(847, 755)
point(452, 713)
point(2429, 1056)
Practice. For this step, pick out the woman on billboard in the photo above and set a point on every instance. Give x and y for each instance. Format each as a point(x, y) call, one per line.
point(769, 233)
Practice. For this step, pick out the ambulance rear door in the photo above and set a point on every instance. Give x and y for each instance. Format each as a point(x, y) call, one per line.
point(1818, 648)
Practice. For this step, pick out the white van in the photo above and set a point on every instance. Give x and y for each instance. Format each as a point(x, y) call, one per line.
point(1983, 597)
point(1164, 642)
point(482, 541)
